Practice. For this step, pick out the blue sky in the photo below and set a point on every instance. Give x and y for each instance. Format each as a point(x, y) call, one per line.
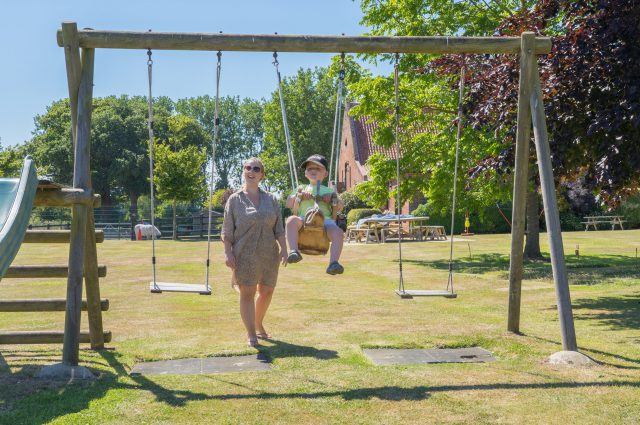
point(32, 72)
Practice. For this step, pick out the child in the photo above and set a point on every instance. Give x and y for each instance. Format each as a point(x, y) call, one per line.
point(315, 169)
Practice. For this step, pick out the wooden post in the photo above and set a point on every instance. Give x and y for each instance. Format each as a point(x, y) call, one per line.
point(81, 180)
point(91, 280)
point(551, 215)
point(72, 60)
point(520, 182)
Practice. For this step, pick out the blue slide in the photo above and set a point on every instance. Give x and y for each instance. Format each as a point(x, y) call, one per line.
point(16, 201)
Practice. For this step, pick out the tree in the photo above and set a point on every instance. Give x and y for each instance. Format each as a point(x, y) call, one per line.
point(309, 99)
point(240, 131)
point(178, 175)
point(10, 161)
point(119, 148)
point(488, 169)
point(590, 91)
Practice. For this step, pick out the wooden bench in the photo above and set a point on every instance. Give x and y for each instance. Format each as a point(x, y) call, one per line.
point(430, 233)
point(611, 220)
point(363, 233)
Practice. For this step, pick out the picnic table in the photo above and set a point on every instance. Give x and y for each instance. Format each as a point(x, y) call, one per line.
point(379, 229)
point(594, 220)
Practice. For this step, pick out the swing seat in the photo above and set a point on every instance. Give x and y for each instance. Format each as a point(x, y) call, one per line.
point(408, 294)
point(161, 287)
point(312, 237)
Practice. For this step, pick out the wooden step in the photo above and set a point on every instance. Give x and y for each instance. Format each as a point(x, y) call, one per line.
point(54, 236)
point(43, 337)
point(64, 197)
point(38, 271)
point(43, 304)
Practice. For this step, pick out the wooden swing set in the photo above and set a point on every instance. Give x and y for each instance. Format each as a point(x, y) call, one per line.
point(79, 48)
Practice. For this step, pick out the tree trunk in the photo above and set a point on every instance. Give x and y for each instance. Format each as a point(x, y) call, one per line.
point(532, 245)
point(133, 213)
point(175, 225)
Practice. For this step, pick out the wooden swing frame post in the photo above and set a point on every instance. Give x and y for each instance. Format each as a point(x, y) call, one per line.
point(530, 110)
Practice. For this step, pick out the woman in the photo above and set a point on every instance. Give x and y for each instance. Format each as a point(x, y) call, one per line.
point(252, 225)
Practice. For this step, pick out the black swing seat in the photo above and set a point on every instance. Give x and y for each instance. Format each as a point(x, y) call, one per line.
point(408, 294)
point(161, 287)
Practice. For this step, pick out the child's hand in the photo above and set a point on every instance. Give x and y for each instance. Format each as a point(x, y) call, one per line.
point(327, 198)
point(306, 195)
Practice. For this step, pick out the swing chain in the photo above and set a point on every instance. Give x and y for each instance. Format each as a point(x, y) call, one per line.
point(149, 61)
point(341, 72)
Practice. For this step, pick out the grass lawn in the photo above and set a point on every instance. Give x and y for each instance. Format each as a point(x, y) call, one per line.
point(321, 323)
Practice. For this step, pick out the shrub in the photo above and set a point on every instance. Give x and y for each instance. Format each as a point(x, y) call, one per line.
point(218, 200)
point(358, 213)
point(351, 200)
point(630, 210)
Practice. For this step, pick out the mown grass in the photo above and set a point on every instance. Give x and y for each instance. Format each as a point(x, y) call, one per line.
point(321, 324)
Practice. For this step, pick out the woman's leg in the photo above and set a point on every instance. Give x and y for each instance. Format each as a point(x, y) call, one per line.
point(265, 293)
point(247, 309)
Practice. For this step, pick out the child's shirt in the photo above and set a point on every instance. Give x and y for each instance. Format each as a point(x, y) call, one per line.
point(307, 204)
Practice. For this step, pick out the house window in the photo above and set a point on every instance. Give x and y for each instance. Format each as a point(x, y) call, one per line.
point(347, 175)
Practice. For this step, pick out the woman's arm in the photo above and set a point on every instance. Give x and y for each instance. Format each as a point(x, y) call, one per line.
point(229, 258)
point(228, 227)
point(283, 250)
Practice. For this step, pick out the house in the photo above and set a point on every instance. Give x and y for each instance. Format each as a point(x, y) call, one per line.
point(355, 149)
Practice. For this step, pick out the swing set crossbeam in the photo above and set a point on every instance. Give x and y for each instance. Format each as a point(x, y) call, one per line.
point(94, 39)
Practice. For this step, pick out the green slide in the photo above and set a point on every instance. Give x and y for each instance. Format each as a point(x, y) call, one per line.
point(16, 201)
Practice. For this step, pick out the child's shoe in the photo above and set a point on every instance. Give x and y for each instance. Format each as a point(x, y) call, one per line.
point(335, 268)
point(294, 257)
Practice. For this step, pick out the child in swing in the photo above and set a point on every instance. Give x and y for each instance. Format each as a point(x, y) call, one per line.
point(315, 170)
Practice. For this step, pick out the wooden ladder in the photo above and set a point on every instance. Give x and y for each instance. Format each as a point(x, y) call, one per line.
point(53, 195)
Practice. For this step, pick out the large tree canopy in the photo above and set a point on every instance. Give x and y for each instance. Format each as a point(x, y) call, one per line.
point(590, 87)
point(309, 98)
point(119, 146)
point(240, 132)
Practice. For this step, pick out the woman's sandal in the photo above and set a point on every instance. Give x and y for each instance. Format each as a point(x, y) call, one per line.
point(253, 342)
point(263, 335)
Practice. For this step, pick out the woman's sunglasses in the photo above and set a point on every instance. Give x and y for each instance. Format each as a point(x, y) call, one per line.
point(254, 168)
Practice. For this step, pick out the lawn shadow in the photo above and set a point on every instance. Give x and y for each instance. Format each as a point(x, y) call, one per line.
point(585, 270)
point(587, 350)
point(618, 313)
point(281, 349)
point(21, 393)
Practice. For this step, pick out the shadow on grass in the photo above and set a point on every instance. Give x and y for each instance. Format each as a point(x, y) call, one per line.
point(29, 408)
point(587, 270)
point(22, 396)
point(588, 351)
point(616, 312)
point(281, 349)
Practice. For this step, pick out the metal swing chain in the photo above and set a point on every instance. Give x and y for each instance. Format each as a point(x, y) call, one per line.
point(455, 175)
point(216, 127)
point(398, 205)
point(292, 163)
point(152, 196)
point(337, 124)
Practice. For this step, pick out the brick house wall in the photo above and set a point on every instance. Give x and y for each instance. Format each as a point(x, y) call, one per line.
point(355, 149)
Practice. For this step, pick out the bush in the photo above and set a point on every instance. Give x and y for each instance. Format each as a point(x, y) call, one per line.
point(630, 210)
point(358, 213)
point(351, 201)
point(487, 220)
point(218, 200)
